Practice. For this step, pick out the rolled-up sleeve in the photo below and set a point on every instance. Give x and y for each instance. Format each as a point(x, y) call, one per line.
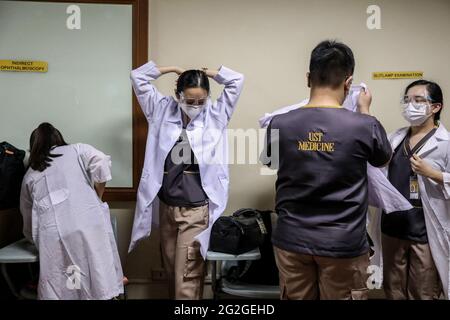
point(149, 98)
point(96, 163)
point(225, 105)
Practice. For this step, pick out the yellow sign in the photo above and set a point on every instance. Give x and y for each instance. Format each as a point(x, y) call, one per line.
point(23, 66)
point(397, 75)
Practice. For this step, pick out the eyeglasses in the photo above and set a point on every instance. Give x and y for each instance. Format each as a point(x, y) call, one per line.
point(415, 100)
point(194, 103)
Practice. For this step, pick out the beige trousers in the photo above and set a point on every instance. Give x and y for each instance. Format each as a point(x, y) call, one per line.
point(181, 256)
point(409, 272)
point(307, 277)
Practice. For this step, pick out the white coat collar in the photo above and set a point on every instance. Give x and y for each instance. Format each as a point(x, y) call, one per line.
point(175, 117)
point(441, 135)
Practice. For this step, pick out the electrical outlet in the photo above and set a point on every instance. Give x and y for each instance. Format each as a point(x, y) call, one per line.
point(159, 275)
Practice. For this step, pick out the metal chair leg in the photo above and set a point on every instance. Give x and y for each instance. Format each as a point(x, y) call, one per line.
point(11, 286)
point(214, 279)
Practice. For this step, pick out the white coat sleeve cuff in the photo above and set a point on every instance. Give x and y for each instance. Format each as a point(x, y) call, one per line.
point(225, 75)
point(102, 170)
point(149, 69)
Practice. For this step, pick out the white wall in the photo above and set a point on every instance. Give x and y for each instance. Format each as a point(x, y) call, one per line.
point(270, 42)
point(86, 92)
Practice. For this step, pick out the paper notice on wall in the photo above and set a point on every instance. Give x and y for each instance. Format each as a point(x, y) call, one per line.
point(389, 75)
point(23, 66)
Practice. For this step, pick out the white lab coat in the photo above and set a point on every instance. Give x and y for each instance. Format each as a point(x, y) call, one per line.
point(71, 226)
point(435, 201)
point(207, 137)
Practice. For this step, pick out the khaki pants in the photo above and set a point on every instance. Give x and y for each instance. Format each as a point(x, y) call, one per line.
point(181, 256)
point(409, 272)
point(307, 277)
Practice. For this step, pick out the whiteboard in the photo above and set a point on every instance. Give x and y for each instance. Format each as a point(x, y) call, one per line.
point(86, 92)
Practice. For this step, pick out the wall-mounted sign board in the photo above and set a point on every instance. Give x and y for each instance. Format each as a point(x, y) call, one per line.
point(23, 66)
point(397, 75)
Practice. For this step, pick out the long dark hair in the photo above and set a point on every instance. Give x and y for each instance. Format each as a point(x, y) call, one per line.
point(42, 140)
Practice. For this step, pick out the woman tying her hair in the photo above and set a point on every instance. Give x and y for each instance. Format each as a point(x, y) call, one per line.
point(185, 168)
point(64, 216)
point(415, 243)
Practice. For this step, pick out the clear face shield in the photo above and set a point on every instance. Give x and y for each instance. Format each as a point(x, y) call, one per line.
point(416, 109)
point(192, 102)
point(192, 106)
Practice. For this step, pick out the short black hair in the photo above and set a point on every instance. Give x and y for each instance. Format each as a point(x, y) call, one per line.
point(434, 93)
point(192, 79)
point(331, 63)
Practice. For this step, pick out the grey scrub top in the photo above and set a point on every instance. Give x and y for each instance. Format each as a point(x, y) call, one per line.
point(182, 186)
point(407, 225)
point(321, 188)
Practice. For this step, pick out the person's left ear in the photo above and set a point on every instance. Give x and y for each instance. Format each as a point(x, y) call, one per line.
point(308, 79)
point(348, 83)
point(436, 108)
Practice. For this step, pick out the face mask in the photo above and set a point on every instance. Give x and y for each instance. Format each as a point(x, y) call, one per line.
point(191, 111)
point(416, 114)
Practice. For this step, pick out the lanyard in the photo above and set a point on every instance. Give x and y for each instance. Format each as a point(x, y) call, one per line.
point(418, 146)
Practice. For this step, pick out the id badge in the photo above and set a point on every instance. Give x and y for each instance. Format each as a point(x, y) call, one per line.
point(413, 187)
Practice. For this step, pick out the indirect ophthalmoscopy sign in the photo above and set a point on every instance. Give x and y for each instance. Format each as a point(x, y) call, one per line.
point(23, 66)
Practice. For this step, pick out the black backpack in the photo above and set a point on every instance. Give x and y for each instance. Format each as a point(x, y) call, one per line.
point(12, 171)
point(241, 232)
point(263, 271)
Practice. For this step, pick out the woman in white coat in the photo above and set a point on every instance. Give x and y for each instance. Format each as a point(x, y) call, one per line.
point(64, 216)
point(185, 168)
point(415, 243)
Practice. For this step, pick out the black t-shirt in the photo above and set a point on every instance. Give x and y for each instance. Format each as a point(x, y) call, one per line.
point(321, 190)
point(182, 185)
point(408, 225)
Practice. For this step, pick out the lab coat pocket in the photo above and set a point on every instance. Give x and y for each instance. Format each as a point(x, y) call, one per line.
point(48, 204)
point(58, 196)
point(195, 265)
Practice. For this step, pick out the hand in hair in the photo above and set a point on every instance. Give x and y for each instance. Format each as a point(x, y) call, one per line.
point(210, 73)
